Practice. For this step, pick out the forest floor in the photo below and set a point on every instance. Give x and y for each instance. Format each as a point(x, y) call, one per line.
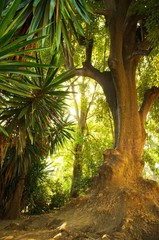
point(119, 214)
point(111, 210)
point(34, 227)
point(46, 227)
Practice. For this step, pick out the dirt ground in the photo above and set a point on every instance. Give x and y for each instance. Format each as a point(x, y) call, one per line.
point(111, 210)
point(116, 214)
point(42, 227)
point(31, 227)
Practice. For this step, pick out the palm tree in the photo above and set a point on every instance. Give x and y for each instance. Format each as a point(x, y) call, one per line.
point(32, 96)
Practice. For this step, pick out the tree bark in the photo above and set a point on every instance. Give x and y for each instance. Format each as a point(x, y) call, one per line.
point(131, 132)
point(13, 208)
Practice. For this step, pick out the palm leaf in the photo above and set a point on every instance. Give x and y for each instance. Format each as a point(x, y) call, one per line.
point(7, 20)
point(55, 17)
point(2, 129)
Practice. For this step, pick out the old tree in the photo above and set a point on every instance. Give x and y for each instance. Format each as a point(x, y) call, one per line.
point(120, 204)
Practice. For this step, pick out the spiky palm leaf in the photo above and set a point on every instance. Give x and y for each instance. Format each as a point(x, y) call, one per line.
point(57, 18)
point(31, 93)
point(33, 116)
point(33, 105)
point(12, 45)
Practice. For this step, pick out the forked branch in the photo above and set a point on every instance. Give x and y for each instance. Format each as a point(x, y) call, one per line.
point(149, 98)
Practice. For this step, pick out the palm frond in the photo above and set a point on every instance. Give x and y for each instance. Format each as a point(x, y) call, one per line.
point(58, 18)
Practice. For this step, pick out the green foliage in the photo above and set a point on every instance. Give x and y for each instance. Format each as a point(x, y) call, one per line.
point(151, 152)
point(97, 136)
point(60, 195)
point(30, 104)
point(148, 76)
point(57, 18)
point(36, 196)
point(10, 45)
point(39, 201)
point(32, 99)
point(147, 10)
point(42, 193)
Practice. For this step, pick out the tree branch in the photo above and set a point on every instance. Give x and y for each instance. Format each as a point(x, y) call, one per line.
point(89, 71)
point(149, 98)
point(89, 48)
point(140, 53)
point(91, 101)
point(75, 103)
point(88, 43)
point(106, 82)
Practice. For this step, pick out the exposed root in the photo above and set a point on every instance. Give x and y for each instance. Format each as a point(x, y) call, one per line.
point(119, 209)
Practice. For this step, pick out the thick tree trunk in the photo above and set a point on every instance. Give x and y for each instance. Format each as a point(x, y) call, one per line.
point(121, 204)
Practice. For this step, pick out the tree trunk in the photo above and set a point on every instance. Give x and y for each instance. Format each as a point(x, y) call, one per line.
point(77, 172)
point(81, 116)
point(130, 133)
point(13, 208)
point(121, 204)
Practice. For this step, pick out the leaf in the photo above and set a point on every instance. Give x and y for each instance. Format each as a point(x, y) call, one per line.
point(23, 64)
point(20, 84)
point(52, 8)
point(19, 43)
point(7, 70)
point(3, 131)
point(13, 90)
point(37, 17)
point(30, 136)
point(35, 3)
point(23, 53)
point(82, 9)
point(9, 16)
point(19, 18)
point(58, 93)
point(23, 112)
point(3, 3)
point(61, 78)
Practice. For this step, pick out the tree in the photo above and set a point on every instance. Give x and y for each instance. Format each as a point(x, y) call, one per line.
point(32, 100)
point(133, 29)
point(119, 84)
point(33, 116)
point(82, 116)
point(87, 145)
